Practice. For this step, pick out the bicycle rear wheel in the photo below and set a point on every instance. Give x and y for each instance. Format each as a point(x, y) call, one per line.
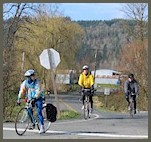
point(22, 121)
point(47, 123)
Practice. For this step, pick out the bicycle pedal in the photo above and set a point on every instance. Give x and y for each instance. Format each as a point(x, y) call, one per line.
point(31, 128)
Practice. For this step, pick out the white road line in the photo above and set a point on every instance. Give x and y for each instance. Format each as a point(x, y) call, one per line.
point(81, 120)
point(87, 134)
point(111, 135)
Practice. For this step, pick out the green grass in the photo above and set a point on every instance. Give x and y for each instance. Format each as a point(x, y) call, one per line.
point(69, 114)
point(107, 86)
point(101, 109)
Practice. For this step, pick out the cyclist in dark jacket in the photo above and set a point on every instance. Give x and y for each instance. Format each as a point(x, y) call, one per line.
point(131, 87)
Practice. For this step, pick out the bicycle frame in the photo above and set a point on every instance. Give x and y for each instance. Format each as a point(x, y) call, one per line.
point(34, 120)
point(32, 116)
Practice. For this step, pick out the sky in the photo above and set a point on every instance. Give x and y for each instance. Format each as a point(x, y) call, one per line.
point(92, 11)
point(88, 11)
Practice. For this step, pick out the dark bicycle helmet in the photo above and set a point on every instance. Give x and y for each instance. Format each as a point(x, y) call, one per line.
point(131, 75)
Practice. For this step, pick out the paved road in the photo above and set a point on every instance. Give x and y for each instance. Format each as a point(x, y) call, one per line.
point(102, 125)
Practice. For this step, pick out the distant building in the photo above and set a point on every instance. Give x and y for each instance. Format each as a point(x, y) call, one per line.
point(65, 77)
point(107, 76)
point(106, 72)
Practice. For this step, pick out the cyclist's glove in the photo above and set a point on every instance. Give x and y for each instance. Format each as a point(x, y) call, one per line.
point(127, 97)
point(32, 102)
point(18, 102)
point(81, 89)
point(92, 90)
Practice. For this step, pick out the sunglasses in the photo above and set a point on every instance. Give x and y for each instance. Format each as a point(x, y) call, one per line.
point(130, 77)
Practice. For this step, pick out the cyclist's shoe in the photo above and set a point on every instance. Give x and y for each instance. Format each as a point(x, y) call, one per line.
point(32, 126)
point(82, 107)
point(91, 110)
point(135, 111)
point(128, 107)
point(42, 129)
point(80, 99)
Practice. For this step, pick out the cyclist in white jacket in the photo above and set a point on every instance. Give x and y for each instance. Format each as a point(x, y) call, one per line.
point(31, 89)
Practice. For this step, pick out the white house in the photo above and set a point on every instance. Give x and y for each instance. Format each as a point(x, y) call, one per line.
point(105, 72)
point(106, 76)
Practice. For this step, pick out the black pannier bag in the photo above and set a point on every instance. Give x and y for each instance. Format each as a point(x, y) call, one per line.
point(51, 111)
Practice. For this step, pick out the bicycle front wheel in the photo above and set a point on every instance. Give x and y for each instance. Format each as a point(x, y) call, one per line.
point(22, 121)
point(132, 109)
point(86, 110)
point(47, 123)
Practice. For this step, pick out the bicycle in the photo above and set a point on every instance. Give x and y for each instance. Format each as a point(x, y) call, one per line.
point(86, 93)
point(131, 105)
point(23, 120)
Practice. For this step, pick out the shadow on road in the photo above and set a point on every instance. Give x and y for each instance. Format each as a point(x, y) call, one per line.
point(74, 133)
point(125, 117)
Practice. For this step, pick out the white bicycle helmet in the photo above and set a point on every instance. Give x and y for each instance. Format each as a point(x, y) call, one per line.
point(85, 67)
point(29, 72)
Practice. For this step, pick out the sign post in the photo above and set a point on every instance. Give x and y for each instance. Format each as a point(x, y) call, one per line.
point(50, 59)
point(106, 93)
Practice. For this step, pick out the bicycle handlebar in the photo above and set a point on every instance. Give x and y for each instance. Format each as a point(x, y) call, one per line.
point(132, 94)
point(86, 90)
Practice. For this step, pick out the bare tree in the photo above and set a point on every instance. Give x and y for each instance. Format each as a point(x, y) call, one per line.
point(134, 56)
point(139, 13)
point(31, 33)
point(13, 15)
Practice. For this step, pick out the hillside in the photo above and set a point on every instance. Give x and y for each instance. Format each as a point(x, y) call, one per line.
point(108, 36)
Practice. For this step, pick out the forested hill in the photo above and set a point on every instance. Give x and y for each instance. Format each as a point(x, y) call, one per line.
point(109, 36)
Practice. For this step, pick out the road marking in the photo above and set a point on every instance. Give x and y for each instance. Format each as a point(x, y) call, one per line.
point(86, 134)
point(80, 120)
point(113, 135)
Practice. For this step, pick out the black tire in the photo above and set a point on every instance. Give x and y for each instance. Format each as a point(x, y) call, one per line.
point(22, 121)
point(132, 109)
point(86, 108)
point(47, 123)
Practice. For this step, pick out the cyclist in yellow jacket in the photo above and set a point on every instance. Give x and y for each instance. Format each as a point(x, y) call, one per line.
point(86, 81)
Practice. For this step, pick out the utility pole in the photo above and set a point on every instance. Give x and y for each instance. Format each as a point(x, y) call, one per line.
point(96, 50)
point(95, 62)
point(22, 65)
point(53, 81)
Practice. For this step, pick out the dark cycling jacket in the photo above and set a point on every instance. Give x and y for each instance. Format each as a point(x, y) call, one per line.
point(131, 87)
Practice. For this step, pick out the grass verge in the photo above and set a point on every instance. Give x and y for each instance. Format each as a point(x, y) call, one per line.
point(69, 114)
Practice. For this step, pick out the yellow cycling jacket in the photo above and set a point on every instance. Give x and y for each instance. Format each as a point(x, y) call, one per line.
point(86, 81)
